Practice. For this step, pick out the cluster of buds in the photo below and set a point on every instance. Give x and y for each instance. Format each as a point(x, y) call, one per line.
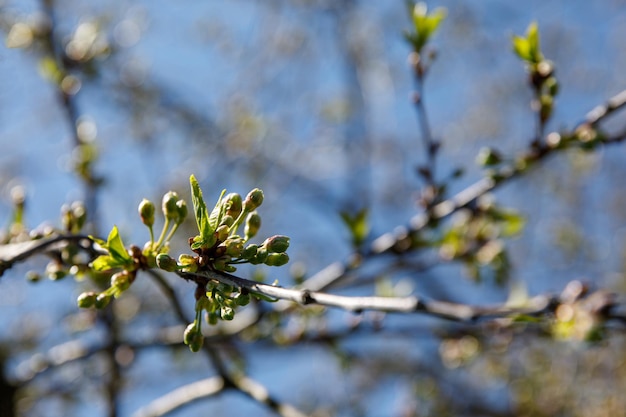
point(121, 264)
point(174, 211)
point(120, 282)
point(218, 246)
point(216, 302)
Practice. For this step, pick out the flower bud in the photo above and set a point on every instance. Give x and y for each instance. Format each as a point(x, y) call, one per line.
point(193, 337)
point(276, 259)
point(234, 246)
point(146, 212)
point(86, 300)
point(253, 224)
point(227, 221)
point(166, 262)
point(249, 251)
point(233, 205)
point(168, 205)
point(102, 300)
point(253, 200)
point(261, 256)
point(277, 244)
point(181, 207)
point(121, 280)
point(222, 233)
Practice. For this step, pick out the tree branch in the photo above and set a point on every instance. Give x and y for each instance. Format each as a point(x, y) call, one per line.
point(16, 252)
point(442, 309)
point(182, 396)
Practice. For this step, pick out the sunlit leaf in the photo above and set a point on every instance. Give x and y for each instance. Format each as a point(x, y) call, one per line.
point(200, 211)
point(425, 24)
point(116, 248)
point(217, 213)
point(106, 262)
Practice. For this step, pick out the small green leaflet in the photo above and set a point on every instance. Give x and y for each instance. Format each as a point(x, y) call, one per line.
point(527, 48)
point(118, 257)
point(206, 224)
point(217, 213)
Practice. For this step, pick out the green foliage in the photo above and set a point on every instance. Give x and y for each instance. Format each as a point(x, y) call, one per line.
point(218, 245)
point(357, 225)
point(527, 48)
point(424, 24)
point(475, 239)
point(118, 257)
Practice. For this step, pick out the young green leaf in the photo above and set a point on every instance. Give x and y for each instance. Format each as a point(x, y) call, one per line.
point(116, 248)
point(217, 213)
point(527, 48)
point(202, 217)
point(425, 24)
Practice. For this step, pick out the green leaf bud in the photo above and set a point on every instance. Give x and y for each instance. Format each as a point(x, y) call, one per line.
point(86, 300)
point(146, 212)
point(102, 300)
point(249, 251)
point(233, 205)
point(230, 268)
point(227, 313)
point(277, 244)
point(253, 224)
point(166, 262)
point(181, 205)
point(253, 200)
point(168, 205)
point(121, 280)
point(276, 259)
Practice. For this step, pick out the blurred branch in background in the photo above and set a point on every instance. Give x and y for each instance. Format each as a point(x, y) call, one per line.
point(278, 123)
